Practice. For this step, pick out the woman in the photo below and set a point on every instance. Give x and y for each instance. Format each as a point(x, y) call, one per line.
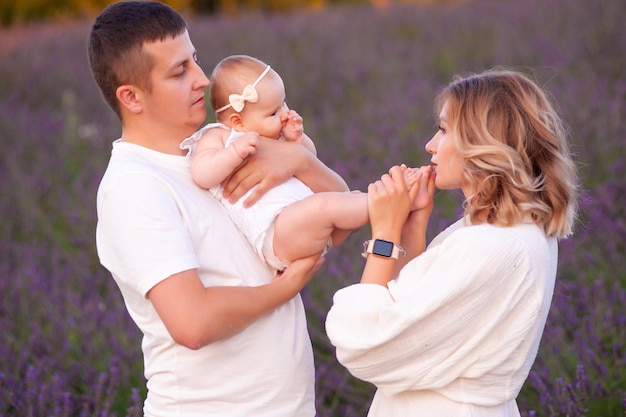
point(453, 329)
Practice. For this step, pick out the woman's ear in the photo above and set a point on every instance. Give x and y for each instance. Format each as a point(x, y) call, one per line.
point(129, 98)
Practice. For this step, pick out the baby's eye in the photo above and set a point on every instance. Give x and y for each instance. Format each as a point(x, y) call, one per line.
point(441, 129)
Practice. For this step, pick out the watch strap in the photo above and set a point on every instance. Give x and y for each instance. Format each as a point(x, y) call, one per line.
point(382, 248)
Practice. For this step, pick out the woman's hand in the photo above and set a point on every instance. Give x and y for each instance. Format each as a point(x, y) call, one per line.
point(426, 183)
point(414, 228)
point(389, 203)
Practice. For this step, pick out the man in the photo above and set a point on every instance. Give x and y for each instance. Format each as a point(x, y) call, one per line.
point(222, 335)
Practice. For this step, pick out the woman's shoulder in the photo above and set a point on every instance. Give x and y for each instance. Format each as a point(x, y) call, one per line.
point(496, 233)
point(485, 235)
point(518, 241)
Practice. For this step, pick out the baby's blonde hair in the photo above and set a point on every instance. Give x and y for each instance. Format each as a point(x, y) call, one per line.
point(230, 76)
point(515, 150)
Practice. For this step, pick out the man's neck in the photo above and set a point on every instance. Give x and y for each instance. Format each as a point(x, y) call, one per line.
point(160, 140)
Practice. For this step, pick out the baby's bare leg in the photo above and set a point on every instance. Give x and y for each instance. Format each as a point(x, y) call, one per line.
point(304, 227)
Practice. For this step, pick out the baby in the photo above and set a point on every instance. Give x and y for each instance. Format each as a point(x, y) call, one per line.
point(290, 221)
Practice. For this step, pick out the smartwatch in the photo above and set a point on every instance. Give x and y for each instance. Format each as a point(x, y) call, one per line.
point(382, 248)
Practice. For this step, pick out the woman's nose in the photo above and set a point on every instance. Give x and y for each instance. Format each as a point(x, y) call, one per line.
point(431, 146)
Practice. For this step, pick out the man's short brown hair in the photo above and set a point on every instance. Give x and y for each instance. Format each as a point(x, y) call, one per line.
point(115, 45)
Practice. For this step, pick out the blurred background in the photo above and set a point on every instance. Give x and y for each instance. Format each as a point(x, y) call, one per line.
point(19, 11)
point(363, 74)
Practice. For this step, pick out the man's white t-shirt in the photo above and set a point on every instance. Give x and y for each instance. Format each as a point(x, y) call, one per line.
point(153, 221)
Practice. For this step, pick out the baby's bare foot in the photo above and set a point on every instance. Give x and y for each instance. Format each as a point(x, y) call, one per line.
point(410, 176)
point(422, 199)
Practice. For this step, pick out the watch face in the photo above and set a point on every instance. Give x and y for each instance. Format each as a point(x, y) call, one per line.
point(382, 248)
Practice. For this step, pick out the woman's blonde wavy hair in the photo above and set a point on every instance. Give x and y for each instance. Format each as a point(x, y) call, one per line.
point(515, 151)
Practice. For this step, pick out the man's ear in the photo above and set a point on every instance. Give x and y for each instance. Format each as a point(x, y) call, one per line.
point(129, 97)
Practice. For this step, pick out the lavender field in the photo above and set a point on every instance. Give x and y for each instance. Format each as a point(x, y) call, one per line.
point(364, 81)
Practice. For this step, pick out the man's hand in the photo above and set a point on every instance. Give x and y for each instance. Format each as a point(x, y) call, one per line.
point(270, 165)
point(273, 163)
point(300, 272)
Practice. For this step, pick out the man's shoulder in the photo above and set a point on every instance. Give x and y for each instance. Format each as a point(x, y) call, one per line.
point(129, 170)
point(124, 165)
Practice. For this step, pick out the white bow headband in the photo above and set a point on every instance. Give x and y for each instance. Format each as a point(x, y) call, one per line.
point(238, 101)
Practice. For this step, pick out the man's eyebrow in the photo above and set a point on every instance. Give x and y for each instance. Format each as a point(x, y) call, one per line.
point(180, 63)
point(184, 61)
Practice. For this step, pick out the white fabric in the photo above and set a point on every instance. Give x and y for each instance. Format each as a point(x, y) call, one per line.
point(457, 332)
point(255, 222)
point(153, 221)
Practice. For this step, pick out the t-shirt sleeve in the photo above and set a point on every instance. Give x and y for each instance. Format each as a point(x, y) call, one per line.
point(448, 315)
point(141, 235)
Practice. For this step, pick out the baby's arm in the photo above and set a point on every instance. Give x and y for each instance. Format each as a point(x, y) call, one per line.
point(294, 132)
point(212, 163)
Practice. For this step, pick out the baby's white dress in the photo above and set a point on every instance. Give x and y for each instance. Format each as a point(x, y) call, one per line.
point(255, 222)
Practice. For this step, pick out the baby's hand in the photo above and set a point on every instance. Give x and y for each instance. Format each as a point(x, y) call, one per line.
point(294, 127)
point(245, 145)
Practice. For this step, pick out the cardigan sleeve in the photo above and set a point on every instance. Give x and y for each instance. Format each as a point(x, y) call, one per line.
point(459, 311)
